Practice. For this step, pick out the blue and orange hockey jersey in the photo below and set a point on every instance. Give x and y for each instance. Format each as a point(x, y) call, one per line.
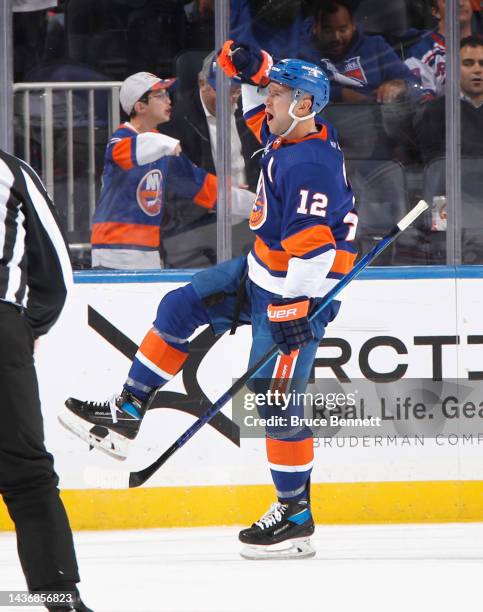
point(304, 208)
point(137, 171)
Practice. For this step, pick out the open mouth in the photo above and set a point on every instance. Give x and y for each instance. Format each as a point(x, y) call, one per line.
point(269, 117)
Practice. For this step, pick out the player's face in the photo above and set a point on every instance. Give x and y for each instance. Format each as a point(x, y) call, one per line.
point(335, 32)
point(472, 71)
point(277, 104)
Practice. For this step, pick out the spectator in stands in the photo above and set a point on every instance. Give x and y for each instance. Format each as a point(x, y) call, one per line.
point(189, 235)
point(431, 128)
point(427, 57)
point(277, 26)
point(140, 166)
point(126, 224)
point(362, 68)
point(193, 122)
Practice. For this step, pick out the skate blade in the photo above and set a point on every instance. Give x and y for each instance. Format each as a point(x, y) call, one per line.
point(113, 444)
point(298, 548)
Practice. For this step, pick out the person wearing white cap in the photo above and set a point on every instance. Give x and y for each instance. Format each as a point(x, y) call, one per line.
point(193, 121)
point(140, 165)
point(137, 87)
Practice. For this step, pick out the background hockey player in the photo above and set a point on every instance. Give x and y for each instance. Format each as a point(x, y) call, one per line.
point(304, 222)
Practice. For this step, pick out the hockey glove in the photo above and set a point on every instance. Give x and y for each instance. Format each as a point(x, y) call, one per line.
point(289, 323)
point(249, 63)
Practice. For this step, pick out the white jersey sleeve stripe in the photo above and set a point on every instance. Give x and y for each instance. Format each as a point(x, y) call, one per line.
point(15, 275)
point(6, 182)
point(51, 228)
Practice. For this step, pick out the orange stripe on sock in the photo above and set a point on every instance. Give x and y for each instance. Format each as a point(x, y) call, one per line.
point(163, 355)
point(286, 452)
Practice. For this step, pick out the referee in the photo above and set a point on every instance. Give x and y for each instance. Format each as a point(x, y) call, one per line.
point(35, 273)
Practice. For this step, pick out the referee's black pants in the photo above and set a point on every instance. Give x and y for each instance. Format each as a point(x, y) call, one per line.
point(28, 482)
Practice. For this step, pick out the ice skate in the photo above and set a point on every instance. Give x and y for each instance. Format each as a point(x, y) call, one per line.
point(282, 533)
point(108, 426)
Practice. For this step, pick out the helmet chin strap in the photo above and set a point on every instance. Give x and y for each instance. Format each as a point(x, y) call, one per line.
point(295, 120)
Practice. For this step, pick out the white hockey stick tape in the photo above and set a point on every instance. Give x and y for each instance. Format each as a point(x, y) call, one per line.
point(413, 214)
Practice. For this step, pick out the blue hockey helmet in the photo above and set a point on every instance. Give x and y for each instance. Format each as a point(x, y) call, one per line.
point(305, 77)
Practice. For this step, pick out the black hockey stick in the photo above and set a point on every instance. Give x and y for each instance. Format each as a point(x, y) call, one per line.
point(135, 479)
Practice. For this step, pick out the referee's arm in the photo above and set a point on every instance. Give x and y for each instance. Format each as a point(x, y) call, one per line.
point(49, 271)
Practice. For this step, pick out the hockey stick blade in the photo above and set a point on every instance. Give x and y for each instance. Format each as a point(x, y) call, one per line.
point(138, 478)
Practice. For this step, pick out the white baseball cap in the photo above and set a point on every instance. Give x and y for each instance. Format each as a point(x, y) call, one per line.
point(136, 85)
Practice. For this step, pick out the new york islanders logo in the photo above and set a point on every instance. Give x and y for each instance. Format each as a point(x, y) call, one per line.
point(149, 193)
point(258, 215)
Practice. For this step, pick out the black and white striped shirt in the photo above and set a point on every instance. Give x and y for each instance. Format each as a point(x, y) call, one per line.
point(35, 269)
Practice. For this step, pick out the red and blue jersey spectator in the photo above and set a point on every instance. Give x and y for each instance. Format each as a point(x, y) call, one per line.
point(361, 68)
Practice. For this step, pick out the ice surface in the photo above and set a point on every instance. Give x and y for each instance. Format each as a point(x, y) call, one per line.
point(393, 568)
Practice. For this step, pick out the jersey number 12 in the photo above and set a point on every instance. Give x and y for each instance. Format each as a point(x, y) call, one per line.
point(318, 208)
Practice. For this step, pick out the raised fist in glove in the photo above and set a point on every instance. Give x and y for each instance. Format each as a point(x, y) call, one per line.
point(249, 63)
point(289, 323)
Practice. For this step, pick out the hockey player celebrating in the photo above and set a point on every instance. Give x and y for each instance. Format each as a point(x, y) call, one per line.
point(304, 221)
